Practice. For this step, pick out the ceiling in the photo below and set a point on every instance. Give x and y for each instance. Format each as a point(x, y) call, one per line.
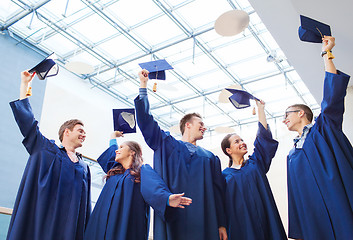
point(305, 57)
point(114, 36)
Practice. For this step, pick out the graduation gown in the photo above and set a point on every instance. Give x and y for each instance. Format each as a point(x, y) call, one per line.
point(120, 212)
point(251, 209)
point(53, 200)
point(198, 175)
point(320, 175)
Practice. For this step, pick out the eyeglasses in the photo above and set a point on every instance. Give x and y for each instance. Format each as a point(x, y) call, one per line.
point(288, 112)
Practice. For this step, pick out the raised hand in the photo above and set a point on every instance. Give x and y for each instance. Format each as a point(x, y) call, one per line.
point(143, 75)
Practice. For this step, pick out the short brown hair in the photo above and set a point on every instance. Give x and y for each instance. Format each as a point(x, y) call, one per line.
point(70, 124)
point(185, 119)
point(309, 114)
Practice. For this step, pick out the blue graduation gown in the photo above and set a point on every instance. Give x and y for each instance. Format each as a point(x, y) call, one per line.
point(320, 175)
point(198, 175)
point(120, 212)
point(53, 200)
point(251, 209)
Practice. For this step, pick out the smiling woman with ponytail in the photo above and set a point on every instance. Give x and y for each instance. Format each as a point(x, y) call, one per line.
point(251, 209)
point(121, 212)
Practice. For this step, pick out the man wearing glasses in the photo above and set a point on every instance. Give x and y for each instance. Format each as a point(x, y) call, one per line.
point(320, 165)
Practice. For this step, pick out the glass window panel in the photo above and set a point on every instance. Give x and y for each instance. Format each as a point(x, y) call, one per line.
point(254, 67)
point(119, 47)
point(85, 57)
point(211, 80)
point(277, 81)
point(201, 64)
point(27, 26)
point(7, 9)
point(197, 13)
point(142, 10)
point(240, 50)
point(74, 9)
point(94, 28)
point(152, 31)
point(61, 49)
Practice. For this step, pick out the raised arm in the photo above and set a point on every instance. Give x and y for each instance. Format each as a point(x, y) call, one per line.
point(335, 86)
point(149, 127)
point(261, 113)
point(107, 159)
point(33, 139)
point(328, 43)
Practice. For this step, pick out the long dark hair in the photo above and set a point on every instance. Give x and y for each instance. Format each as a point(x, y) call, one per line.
point(226, 144)
point(135, 168)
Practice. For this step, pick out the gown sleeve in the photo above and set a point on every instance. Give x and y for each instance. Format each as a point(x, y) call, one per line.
point(265, 147)
point(332, 105)
point(152, 133)
point(33, 140)
point(107, 159)
point(155, 191)
point(219, 186)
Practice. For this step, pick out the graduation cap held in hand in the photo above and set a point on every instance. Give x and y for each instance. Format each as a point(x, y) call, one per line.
point(312, 30)
point(240, 99)
point(46, 68)
point(124, 120)
point(156, 68)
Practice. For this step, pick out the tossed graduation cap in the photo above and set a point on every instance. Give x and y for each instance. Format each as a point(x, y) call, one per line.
point(232, 22)
point(124, 120)
point(240, 99)
point(46, 68)
point(156, 68)
point(312, 30)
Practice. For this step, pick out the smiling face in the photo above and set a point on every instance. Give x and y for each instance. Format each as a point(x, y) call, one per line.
point(75, 137)
point(124, 155)
point(237, 146)
point(292, 118)
point(196, 127)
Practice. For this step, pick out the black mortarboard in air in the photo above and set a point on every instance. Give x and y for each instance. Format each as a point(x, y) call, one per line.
point(240, 99)
point(124, 120)
point(156, 68)
point(312, 30)
point(46, 68)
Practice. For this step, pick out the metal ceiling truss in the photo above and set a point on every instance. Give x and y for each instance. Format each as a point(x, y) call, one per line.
point(108, 64)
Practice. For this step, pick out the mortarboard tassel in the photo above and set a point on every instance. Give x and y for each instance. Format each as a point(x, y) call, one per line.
point(154, 87)
point(29, 90)
point(254, 111)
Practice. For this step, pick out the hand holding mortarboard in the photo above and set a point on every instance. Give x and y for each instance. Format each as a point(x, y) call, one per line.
point(143, 75)
point(314, 31)
point(328, 43)
point(156, 70)
point(25, 88)
point(124, 120)
point(116, 134)
point(44, 69)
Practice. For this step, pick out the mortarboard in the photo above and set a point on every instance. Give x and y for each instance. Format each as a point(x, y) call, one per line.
point(46, 68)
point(156, 68)
point(124, 120)
point(312, 30)
point(240, 99)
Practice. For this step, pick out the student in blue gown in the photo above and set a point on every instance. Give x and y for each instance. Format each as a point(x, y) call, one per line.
point(320, 165)
point(251, 209)
point(121, 213)
point(185, 167)
point(53, 200)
